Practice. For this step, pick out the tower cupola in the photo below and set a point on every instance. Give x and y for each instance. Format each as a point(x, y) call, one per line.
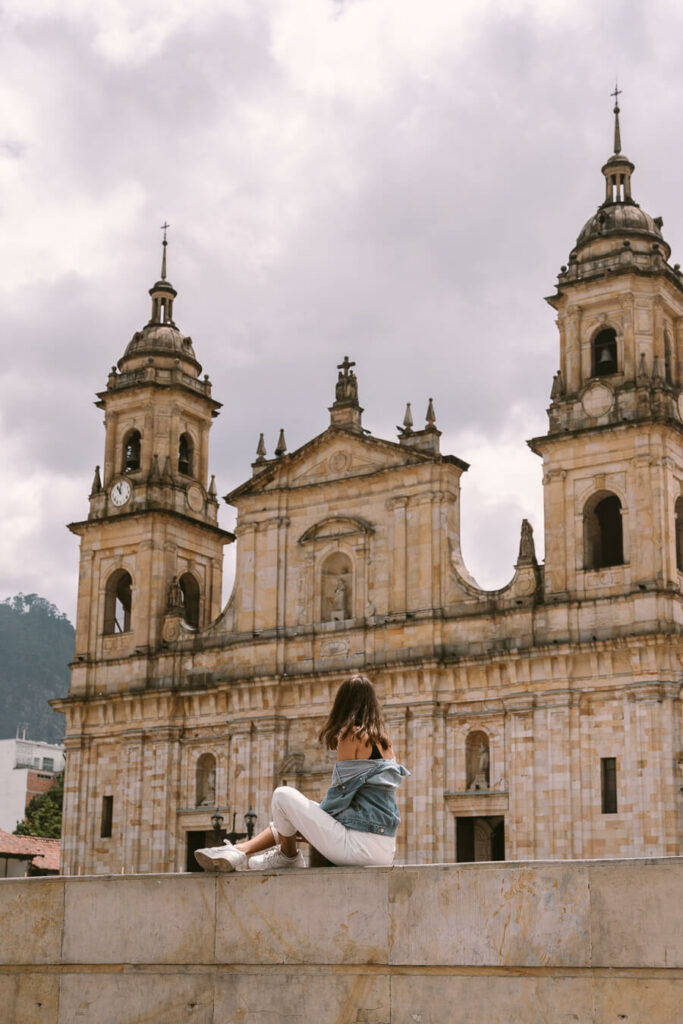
point(160, 343)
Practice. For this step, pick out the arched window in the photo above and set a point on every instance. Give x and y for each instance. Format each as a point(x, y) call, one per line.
point(205, 792)
point(679, 533)
point(118, 602)
point(189, 589)
point(336, 588)
point(131, 452)
point(668, 372)
point(477, 760)
point(604, 350)
point(602, 531)
point(185, 453)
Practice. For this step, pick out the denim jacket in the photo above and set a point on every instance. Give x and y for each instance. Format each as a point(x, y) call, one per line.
point(362, 795)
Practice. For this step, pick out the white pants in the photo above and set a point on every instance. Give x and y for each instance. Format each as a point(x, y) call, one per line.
point(293, 812)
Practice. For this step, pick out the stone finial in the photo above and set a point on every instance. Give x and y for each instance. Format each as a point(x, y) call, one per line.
point(656, 373)
point(557, 390)
point(212, 487)
point(431, 415)
point(345, 410)
point(408, 420)
point(154, 473)
point(642, 367)
point(527, 548)
point(261, 449)
point(167, 474)
point(281, 444)
point(96, 482)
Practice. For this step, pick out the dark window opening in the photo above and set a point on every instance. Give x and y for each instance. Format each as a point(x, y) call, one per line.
point(679, 533)
point(189, 588)
point(107, 817)
point(668, 375)
point(603, 533)
point(479, 839)
point(199, 841)
point(185, 452)
point(118, 602)
point(605, 353)
point(131, 452)
point(608, 780)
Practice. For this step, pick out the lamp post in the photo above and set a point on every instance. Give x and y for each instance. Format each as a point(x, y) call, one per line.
point(232, 836)
point(217, 823)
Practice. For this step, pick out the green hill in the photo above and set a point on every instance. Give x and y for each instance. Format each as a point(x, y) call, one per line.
point(36, 646)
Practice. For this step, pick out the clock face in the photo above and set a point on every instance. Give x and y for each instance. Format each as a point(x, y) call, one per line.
point(120, 493)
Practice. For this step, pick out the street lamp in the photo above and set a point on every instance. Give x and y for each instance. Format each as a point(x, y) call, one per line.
point(217, 823)
point(232, 836)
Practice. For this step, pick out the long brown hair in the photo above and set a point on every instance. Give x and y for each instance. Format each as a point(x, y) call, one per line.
point(355, 710)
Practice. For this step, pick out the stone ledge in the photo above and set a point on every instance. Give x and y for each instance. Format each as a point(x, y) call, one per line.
point(556, 941)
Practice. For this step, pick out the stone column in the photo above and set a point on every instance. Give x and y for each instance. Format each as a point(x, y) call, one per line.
point(397, 593)
point(519, 826)
point(131, 798)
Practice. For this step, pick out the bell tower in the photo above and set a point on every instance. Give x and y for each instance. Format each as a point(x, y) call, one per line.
point(613, 454)
point(151, 549)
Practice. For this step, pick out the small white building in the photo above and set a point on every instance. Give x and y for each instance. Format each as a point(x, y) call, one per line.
point(27, 767)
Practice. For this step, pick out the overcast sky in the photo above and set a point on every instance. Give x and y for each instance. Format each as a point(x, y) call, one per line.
point(399, 181)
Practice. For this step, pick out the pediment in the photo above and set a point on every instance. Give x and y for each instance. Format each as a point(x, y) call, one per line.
point(344, 456)
point(333, 455)
point(336, 526)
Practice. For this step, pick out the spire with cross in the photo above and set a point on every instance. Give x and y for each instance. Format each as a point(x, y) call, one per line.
point(617, 132)
point(164, 228)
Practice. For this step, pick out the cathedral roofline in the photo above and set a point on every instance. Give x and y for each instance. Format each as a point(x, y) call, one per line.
point(82, 526)
point(410, 456)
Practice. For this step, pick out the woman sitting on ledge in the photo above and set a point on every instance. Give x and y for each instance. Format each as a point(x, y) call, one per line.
point(356, 822)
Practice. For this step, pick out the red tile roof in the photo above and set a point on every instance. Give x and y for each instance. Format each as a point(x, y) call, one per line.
point(43, 853)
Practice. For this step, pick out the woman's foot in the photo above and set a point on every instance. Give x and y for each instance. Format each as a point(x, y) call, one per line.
point(273, 860)
point(221, 858)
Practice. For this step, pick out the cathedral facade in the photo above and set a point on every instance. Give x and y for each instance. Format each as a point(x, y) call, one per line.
point(541, 720)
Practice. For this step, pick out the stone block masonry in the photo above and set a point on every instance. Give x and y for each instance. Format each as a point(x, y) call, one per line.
point(562, 942)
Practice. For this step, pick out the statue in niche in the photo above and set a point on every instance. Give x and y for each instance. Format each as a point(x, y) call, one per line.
point(174, 598)
point(206, 781)
point(479, 760)
point(339, 601)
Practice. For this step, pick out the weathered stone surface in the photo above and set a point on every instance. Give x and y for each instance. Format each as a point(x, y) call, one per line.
point(316, 916)
point(136, 999)
point(29, 998)
point(636, 913)
point(289, 998)
point(527, 915)
point(630, 1000)
point(498, 943)
point(162, 920)
point(31, 918)
point(482, 999)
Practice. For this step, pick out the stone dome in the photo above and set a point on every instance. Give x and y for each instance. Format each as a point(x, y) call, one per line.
point(161, 340)
point(625, 218)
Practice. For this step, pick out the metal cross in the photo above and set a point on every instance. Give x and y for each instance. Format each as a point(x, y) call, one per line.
point(164, 226)
point(617, 93)
point(346, 366)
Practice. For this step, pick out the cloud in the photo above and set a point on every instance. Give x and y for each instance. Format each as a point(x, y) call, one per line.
point(396, 182)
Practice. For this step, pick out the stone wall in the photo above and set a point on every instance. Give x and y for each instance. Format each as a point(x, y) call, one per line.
point(532, 943)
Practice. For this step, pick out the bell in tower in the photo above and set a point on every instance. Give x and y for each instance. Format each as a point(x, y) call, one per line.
point(153, 511)
point(615, 417)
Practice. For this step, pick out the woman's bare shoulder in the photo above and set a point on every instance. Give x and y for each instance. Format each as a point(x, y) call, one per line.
point(357, 746)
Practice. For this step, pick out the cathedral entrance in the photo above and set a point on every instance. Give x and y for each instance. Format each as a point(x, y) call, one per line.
point(196, 841)
point(479, 839)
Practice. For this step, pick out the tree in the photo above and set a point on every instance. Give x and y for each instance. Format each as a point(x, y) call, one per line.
point(44, 813)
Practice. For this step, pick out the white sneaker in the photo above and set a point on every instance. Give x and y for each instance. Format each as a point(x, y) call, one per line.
point(273, 860)
point(221, 858)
